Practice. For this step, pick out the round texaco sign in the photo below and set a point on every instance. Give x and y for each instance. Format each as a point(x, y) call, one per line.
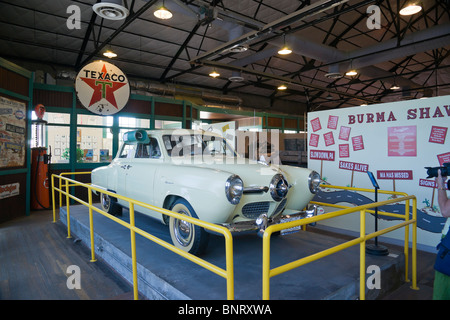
point(102, 88)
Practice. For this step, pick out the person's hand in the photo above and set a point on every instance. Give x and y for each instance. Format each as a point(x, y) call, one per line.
point(439, 180)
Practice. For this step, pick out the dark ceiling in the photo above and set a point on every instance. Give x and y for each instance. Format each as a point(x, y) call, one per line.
point(174, 57)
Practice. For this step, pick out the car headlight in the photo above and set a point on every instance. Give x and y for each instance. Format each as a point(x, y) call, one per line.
point(278, 187)
point(314, 181)
point(234, 187)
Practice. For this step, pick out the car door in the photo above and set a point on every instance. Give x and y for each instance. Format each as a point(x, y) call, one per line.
point(122, 164)
point(140, 174)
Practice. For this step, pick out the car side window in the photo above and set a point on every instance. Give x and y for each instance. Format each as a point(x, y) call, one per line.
point(149, 150)
point(128, 151)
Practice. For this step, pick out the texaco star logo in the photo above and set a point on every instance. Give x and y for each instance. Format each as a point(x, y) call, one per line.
point(102, 88)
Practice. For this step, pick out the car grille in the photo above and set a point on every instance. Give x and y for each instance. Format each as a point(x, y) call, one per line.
point(280, 207)
point(254, 209)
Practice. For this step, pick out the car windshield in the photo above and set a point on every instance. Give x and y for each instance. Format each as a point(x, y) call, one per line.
point(196, 144)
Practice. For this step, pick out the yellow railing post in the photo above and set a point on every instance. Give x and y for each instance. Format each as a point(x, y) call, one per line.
point(91, 225)
point(53, 199)
point(133, 252)
point(60, 193)
point(406, 244)
point(266, 264)
point(229, 265)
point(68, 210)
point(414, 247)
point(362, 256)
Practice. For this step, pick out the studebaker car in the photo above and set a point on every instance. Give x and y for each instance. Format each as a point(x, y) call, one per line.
point(199, 174)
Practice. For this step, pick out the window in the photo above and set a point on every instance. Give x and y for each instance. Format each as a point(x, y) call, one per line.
point(196, 145)
point(134, 123)
point(141, 151)
point(94, 138)
point(163, 124)
point(58, 135)
point(128, 150)
point(149, 150)
point(131, 123)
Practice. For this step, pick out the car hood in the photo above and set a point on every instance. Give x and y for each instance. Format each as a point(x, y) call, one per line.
point(253, 173)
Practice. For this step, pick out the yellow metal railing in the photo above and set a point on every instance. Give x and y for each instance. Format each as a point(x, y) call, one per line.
point(227, 273)
point(268, 273)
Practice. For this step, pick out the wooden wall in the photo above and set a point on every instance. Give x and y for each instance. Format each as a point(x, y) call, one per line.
point(15, 85)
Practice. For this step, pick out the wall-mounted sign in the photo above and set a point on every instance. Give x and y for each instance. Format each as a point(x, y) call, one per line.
point(12, 133)
point(102, 88)
point(9, 190)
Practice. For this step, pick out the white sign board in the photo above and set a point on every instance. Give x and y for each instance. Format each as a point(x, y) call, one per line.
point(102, 88)
point(395, 141)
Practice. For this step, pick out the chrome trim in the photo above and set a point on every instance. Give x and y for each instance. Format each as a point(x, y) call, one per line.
point(284, 187)
point(313, 184)
point(262, 222)
point(256, 189)
point(229, 188)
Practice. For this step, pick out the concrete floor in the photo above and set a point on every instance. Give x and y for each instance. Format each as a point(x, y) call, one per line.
point(34, 259)
point(35, 255)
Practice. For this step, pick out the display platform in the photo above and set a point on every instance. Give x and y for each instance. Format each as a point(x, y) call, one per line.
point(165, 275)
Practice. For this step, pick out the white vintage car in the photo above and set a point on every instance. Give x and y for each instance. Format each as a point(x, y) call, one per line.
point(199, 174)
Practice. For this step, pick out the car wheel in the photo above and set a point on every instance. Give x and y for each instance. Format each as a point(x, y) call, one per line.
point(187, 236)
point(110, 205)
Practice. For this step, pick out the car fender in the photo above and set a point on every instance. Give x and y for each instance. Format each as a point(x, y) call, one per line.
point(299, 194)
point(99, 177)
point(203, 188)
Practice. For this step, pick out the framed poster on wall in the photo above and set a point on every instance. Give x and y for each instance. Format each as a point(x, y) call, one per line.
point(12, 133)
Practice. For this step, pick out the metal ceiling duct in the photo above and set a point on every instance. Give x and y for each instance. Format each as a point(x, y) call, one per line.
point(164, 90)
point(111, 9)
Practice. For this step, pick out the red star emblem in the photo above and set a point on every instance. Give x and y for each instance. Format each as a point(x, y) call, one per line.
point(103, 89)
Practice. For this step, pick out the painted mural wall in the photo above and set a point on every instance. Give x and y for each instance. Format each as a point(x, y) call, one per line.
point(394, 141)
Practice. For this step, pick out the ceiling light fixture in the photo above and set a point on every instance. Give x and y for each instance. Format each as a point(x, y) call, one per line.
point(285, 50)
point(352, 72)
point(395, 87)
point(282, 87)
point(410, 8)
point(163, 13)
point(214, 74)
point(109, 54)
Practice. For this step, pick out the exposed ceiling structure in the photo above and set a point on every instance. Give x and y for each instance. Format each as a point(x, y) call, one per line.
point(240, 39)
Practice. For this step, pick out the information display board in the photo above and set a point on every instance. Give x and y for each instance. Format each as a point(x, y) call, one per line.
point(12, 133)
point(393, 140)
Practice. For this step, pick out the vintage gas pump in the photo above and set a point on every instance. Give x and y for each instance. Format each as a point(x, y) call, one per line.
point(40, 195)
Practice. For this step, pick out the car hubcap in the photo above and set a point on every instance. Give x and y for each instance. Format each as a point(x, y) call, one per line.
point(105, 202)
point(183, 231)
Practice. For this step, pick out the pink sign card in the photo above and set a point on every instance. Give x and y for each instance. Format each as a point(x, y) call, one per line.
point(344, 133)
point(329, 139)
point(332, 122)
point(402, 141)
point(315, 124)
point(438, 134)
point(314, 140)
point(358, 143)
point(443, 158)
point(344, 151)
